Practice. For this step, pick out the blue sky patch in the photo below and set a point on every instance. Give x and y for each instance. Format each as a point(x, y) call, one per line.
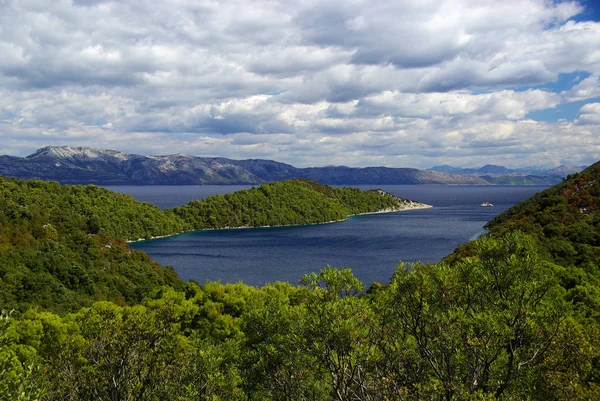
point(565, 111)
point(591, 11)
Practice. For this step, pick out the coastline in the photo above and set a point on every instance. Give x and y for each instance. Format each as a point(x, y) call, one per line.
point(411, 205)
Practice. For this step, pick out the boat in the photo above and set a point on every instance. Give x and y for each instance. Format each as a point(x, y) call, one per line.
point(486, 204)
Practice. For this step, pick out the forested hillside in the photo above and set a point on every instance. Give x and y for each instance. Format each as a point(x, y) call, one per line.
point(63, 247)
point(286, 203)
point(510, 316)
point(566, 221)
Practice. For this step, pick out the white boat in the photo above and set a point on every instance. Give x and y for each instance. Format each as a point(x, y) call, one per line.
point(486, 204)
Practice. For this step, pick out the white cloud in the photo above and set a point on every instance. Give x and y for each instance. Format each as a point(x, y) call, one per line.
point(509, 105)
point(586, 89)
point(589, 114)
point(362, 82)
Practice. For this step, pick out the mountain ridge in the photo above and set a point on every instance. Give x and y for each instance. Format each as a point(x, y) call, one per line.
point(493, 169)
point(84, 165)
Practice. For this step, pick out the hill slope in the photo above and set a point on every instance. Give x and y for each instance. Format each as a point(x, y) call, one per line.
point(565, 221)
point(61, 247)
point(566, 217)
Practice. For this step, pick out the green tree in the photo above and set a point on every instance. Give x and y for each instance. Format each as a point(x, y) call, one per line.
point(21, 374)
point(338, 332)
point(480, 325)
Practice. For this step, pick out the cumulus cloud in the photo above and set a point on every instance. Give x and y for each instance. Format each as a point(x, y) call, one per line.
point(589, 114)
point(588, 88)
point(410, 83)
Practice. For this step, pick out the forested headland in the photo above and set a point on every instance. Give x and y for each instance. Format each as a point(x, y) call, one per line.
point(63, 247)
point(287, 203)
point(513, 315)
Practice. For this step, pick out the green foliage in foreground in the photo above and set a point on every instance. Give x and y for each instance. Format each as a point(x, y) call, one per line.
point(494, 326)
point(510, 316)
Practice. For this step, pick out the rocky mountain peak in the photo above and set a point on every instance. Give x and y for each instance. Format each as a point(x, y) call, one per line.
point(70, 152)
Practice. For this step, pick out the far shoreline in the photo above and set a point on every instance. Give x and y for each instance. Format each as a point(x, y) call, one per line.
point(412, 206)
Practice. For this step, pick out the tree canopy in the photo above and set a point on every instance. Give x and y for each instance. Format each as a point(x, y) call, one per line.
point(510, 316)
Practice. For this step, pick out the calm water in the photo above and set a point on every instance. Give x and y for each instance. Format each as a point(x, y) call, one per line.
point(371, 245)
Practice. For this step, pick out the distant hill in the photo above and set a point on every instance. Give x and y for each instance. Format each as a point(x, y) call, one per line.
point(521, 179)
point(494, 174)
point(80, 165)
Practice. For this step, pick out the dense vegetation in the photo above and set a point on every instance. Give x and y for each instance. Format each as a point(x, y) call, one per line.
point(565, 221)
point(492, 327)
point(497, 320)
point(284, 203)
point(63, 247)
point(566, 217)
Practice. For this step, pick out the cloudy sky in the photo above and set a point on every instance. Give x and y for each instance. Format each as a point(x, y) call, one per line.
point(405, 83)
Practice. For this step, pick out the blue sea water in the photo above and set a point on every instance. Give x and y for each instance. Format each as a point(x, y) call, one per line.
point(372, 245)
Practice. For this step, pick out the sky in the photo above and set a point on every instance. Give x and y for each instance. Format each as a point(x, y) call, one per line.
point(405, 83)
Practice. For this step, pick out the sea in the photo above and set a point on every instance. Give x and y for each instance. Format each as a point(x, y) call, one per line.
point(371, 245)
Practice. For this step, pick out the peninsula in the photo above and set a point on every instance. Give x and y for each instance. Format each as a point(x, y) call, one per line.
point(270, 207)
point(72, 240)
point(287, 203)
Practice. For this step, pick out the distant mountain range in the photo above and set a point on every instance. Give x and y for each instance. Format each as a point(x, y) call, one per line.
point(560, 171)
point(81, 165)
point(494, 174)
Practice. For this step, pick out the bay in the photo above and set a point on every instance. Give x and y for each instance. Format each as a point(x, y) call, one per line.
point(372, 245)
